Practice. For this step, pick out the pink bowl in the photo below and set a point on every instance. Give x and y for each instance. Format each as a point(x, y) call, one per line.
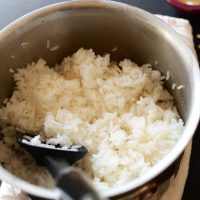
point(190, 9)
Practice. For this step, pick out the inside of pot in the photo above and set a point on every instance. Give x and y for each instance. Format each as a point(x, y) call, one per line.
point(136, 39)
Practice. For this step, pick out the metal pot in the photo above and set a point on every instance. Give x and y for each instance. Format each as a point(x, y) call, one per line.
point(103, 25)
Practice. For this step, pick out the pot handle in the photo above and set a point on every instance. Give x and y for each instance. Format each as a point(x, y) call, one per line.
point(70, 181)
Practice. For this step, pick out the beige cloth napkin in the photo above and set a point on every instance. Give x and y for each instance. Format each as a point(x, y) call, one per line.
point(173, 188)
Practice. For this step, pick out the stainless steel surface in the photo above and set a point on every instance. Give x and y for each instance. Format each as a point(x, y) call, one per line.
point(103, 25)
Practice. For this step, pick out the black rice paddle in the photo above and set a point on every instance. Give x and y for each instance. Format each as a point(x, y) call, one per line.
point(69, 180)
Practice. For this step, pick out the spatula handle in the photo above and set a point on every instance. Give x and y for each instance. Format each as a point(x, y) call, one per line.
point(70, 180)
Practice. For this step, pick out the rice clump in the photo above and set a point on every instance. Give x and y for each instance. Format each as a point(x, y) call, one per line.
point(119, 111)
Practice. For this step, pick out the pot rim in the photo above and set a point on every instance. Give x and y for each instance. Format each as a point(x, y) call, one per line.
point(193, 116)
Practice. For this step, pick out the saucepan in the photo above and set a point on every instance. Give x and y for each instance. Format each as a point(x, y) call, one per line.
point(103, 26)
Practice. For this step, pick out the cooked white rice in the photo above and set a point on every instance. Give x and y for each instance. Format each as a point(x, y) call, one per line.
point(120, 112)
point(174, 86)
point(167, 75)
point(180, 87)
point(36, 141)
point(54, 48)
